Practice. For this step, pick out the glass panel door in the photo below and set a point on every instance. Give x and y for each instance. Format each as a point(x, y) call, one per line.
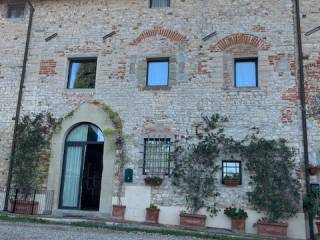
point(72, 177)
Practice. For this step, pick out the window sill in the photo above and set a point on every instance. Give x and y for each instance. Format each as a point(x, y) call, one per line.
point(155, 88)
point(81, 90)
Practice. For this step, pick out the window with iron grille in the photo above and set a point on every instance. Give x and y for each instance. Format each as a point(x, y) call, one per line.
point(159, 3)
point(315, 187)
point(231, 170)
point(156, 156)
point(16, 9)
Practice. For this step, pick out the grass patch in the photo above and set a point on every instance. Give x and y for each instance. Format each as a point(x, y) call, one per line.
point(166, 232)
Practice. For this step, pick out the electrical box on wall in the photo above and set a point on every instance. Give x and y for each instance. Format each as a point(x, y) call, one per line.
point(128, 175)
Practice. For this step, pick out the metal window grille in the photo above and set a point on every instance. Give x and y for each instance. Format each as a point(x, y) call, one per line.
point(156, 156)
point(16, 8)
point(231, 169)
point(159, 3)
point(315, 187)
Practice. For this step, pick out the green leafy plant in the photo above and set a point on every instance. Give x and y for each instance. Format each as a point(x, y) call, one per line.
point(311, 203)
point(153, 206)
point(235, 212)
point(32, 141)
point(271, 165)
point(196, 164)
point(235, 176)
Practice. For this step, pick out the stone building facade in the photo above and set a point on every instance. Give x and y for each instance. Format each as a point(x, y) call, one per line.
point(201, 73)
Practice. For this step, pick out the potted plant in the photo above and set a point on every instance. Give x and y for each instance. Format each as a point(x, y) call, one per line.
point(32, 141)
point(153, 181)
point(232, 181)
point(238, 219)
point(311, 204)
point(152, 214)
point(118, 210)
point(313, 169)
point(275, 188)
point(195, 167)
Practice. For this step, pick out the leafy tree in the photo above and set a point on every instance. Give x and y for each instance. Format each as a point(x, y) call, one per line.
point(275, 189)
point(32, 140)
point(195, 164)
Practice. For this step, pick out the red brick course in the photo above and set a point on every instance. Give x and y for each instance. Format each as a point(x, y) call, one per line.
point(167, 33)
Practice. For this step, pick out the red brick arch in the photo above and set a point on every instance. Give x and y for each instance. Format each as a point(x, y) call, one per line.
point(240, 38)
point(167, 33)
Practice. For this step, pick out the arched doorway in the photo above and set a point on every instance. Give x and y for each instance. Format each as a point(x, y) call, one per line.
point(82, 168)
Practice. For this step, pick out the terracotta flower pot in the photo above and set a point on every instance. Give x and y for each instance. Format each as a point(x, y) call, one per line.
point(24, 207)
point(318, 227)
point(152, 215)
point(231, 182)
point(238, 225)
point(313, 170)
point(118, 211)
point(272, 229)
point(153, 183)
point(193, 221)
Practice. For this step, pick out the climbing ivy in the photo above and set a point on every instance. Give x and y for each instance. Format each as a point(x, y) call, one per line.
point(275, 189)
point(119, 140)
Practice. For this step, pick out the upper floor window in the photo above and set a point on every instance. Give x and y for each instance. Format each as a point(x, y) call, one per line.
point(246, 72)
point(159, 3)
point(156, 156)
point(16, 9)
point(158, 72)
point(82, 73)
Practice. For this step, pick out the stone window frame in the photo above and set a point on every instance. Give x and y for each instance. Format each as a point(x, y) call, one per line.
point(69, 58)
point(246, 59)
point(230, 55)
point(143, 70)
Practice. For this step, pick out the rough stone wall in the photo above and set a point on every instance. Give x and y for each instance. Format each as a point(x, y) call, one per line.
point(310, 12)
point(12, 42)
point(198, 69)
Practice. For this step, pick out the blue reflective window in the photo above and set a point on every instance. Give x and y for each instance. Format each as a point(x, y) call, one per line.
point(246, 72)
point(158, 72)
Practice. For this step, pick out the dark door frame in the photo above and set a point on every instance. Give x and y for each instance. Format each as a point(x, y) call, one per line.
point(77, 144)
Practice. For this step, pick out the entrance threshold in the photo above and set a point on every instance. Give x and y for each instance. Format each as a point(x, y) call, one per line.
point(79, 213)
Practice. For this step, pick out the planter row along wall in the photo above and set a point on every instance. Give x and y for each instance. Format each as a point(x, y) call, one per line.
point(136, 208)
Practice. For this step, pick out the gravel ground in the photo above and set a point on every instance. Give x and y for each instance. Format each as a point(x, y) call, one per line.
point(27, 231)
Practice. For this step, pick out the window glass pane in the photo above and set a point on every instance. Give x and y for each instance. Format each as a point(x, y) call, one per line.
point(246, 74)
point(231, 169)
point(15, 11)
point(158, 73)
point(82, 74)
point(84, 133)
point(159, 3)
